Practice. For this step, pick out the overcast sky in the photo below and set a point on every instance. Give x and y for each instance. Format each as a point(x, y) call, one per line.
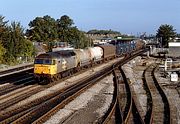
point(126, 16)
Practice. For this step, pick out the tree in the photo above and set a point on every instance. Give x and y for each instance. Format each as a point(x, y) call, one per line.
point(79, 40)
point(16, 39)
point(3, 28)
point(48, 30)
point(178, 35)
point(71, 34)
point(64, 26)
point(103, 32)
point(16, 44)
point(2, 52)
point(29, 50)
point(165, 33)
point(42, 29)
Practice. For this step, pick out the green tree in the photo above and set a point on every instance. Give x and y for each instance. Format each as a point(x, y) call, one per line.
point(16, 39)
point(16, 44)
point(178, 35)
point(42, 29)
point(29, 50)
point(2, 52)
point(78, 38)
point(165, 33)
point(103, 32)
point(71, 34)
point(64, 26)
point(3, 28)
point(46, 29)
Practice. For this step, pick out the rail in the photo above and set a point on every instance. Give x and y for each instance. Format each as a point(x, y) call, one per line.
point(38, 108)
point(16, 69)
point(158, 104)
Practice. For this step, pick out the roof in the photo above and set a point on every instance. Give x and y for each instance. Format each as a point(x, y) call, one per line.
point(174, 44)
point(57, 54)
point(125, 38)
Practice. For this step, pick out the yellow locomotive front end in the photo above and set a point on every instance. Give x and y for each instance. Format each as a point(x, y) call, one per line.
point(45, 67)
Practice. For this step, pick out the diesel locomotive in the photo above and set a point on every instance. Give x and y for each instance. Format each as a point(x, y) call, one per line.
point(52, 66)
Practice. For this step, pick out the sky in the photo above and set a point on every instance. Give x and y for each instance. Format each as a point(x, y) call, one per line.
point(126, 16)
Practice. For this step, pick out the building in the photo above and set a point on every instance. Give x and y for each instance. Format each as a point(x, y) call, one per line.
point(174, 49)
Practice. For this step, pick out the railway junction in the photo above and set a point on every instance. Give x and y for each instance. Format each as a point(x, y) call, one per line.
point(134, 91)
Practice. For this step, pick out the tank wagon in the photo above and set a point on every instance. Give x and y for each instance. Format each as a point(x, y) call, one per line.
point(96, 54)
point(52, 66)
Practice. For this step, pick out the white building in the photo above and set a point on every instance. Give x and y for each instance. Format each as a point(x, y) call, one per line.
point(174, 49)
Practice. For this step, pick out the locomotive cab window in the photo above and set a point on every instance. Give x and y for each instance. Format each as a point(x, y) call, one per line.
point(38, 61)
point(45, 61)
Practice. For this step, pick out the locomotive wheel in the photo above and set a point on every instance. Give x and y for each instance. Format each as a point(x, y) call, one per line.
point(59, 76)
point(77, 68)
point(56, 77)
point(52, 79)
point(71, 72)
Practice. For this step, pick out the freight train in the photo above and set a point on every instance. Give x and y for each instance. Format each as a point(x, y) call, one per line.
point(52, 66)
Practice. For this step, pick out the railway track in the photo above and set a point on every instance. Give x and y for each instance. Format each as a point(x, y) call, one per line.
point(126, 112)
point(19, 83)
point(113, 114)
point(14, 70)
point(33, 111)
point(41, 107)
point(130, 111)
point(18, 95)
point(158, 109)
point(10, 114)
point(43, 111)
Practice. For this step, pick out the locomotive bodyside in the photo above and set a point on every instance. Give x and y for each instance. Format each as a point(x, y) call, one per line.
point(66, 60)
point(50, 65)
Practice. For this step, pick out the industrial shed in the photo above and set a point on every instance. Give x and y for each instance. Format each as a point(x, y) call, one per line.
point(174, 49)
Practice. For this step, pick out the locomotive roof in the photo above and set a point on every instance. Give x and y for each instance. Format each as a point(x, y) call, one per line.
point(57, 54)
